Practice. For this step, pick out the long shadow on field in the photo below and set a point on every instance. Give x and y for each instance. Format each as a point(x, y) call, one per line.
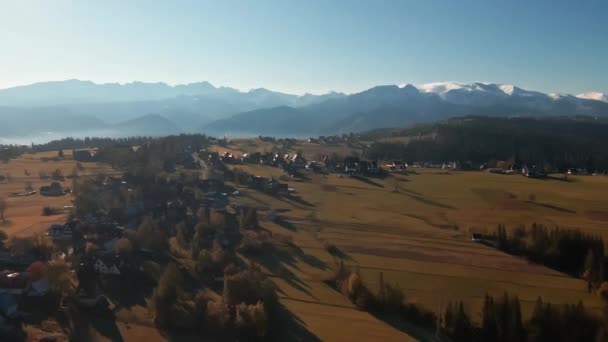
point(338, 253)
point(554, 207)
point(367, 181)
point(560, 179)
point(429, 202)
point(430, 223)
point(283, 222)
point(406, 327)
point(277, 260)
point(107, 328)
point(408, 191)
point(288, 327)
point(298, 200)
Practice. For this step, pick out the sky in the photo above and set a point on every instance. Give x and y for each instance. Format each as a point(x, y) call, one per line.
point(312, 46)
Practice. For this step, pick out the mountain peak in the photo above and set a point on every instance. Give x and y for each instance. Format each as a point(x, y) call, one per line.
point(594, 95)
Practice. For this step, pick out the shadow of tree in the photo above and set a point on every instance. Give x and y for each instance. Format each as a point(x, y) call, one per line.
point(289, 327)
point(107, 327)
point(406, 327)
point(338, 253)
point(367, 181)
point(299, 200)
point(279, 260)
point(553, 207)
point(129, 290)
point(429, 202)
point(281, 221)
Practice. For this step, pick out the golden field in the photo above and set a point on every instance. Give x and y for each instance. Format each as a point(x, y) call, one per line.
point(416, 230)
point(413, 228)
point(24, 214)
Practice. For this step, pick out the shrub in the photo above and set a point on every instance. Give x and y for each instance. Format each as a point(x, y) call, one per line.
point(57, 175)
point(60, 278)
point(204, 262)
point(251, 319)
point(243, 287)
point(217, 315)
point(49, 211)
point(149, 235)
point(331, 248)
point(123, 247)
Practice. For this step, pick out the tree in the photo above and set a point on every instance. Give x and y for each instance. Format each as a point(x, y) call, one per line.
point(457, 322)
point(123, 247)
point(3, 207)
point(515, 331)
point(249, 219)
point(165, 294)
point(489, 328)
point(150, 236)
point(3, 238)
point(182, 236)
point(589, 269)
point(60, 278)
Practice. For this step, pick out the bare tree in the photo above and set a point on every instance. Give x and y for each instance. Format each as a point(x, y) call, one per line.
point(3, 206)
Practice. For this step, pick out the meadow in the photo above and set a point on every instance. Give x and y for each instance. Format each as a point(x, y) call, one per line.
point(416, 230)
point(24, 214)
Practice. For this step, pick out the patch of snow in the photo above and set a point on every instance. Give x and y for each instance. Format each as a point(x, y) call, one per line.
point(594, 95)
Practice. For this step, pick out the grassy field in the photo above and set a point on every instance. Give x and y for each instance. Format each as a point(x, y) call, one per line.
point(416, 229)
point(24, 214)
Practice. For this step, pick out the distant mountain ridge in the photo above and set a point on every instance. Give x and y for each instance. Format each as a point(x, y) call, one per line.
point(76, 107)
point(395, 106)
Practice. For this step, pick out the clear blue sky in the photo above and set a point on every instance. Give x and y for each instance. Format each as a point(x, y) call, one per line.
point(308, 46)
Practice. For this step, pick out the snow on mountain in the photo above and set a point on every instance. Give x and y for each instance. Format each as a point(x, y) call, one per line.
point(442, 88)
point(594, 95)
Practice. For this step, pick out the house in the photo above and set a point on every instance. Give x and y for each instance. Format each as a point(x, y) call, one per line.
point(13, 282)
point(32, 282)
point(105, 264)
point(60, 232)
point(55, 189)
point(282, 189)
point(476, 237)
point(399, 166)
point(101, 267)
point(313, 166)
point(16, 262)
point(298, 160)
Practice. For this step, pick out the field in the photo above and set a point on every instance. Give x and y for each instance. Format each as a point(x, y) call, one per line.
point(24, 213)
point(416, 230)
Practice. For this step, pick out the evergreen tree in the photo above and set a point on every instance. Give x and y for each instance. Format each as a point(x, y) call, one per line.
point(516, 331)
point(489, 328)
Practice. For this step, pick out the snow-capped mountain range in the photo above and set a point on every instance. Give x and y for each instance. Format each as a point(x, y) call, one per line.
point(479, 91)
point(138, 108)
point(594, 95)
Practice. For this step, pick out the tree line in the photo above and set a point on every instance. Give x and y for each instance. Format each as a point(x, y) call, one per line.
point(551, 143)
point(501, 321)
point(566, 250)
point(501, 317)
